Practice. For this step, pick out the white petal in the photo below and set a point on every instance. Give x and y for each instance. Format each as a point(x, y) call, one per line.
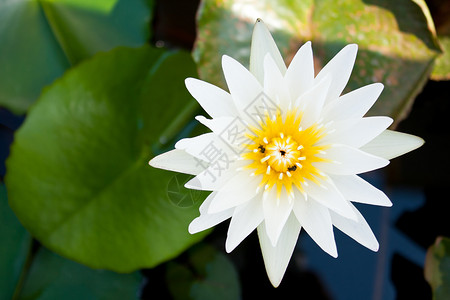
point(263, 43)
point(244, 220)
point(362, 132)
point(328, 195)
point(300, 73)
point(217, 125)
point(244, 87)
point(347, 160)
point(311, 103)
point(205, 205)
point(356, 189)
point(276, 259)
point(354, 104)
point(340, 67)
point(215, 176)
point(178, 161)
point(316, 221)
point(208, 147)
point(231, 131)
point(215, 101)
point(276, 213)
point(274, 85)
point(238, 190)
point(205, 220)
point(390, 144)
point(358, 230)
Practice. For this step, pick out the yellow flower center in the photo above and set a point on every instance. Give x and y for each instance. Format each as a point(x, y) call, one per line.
point(284, 153)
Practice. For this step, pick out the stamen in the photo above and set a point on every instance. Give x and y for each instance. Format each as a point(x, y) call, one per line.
point(265, 158)
point(283, 150)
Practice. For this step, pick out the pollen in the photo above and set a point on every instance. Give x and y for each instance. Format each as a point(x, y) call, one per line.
point(283, 153)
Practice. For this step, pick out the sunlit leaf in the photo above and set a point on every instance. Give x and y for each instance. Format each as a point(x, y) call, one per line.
point(437, 268)
point(441, 70)
point(98, 5)
point(207, 274)
point(14, 249)
point(39, 40)
point(78, 176)
point(440, 9)
point(396, 45)
point(52, 277)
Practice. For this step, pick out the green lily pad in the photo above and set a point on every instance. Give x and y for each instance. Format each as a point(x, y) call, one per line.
point(39, 40)
point(179, 196)
point(396, 45)
point(53, 277)
point(78, 176)
point(15, 246)
point(437, 268)
point(207, 274)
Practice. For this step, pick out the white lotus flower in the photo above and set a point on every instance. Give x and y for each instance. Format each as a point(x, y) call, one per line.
point(285, 150)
